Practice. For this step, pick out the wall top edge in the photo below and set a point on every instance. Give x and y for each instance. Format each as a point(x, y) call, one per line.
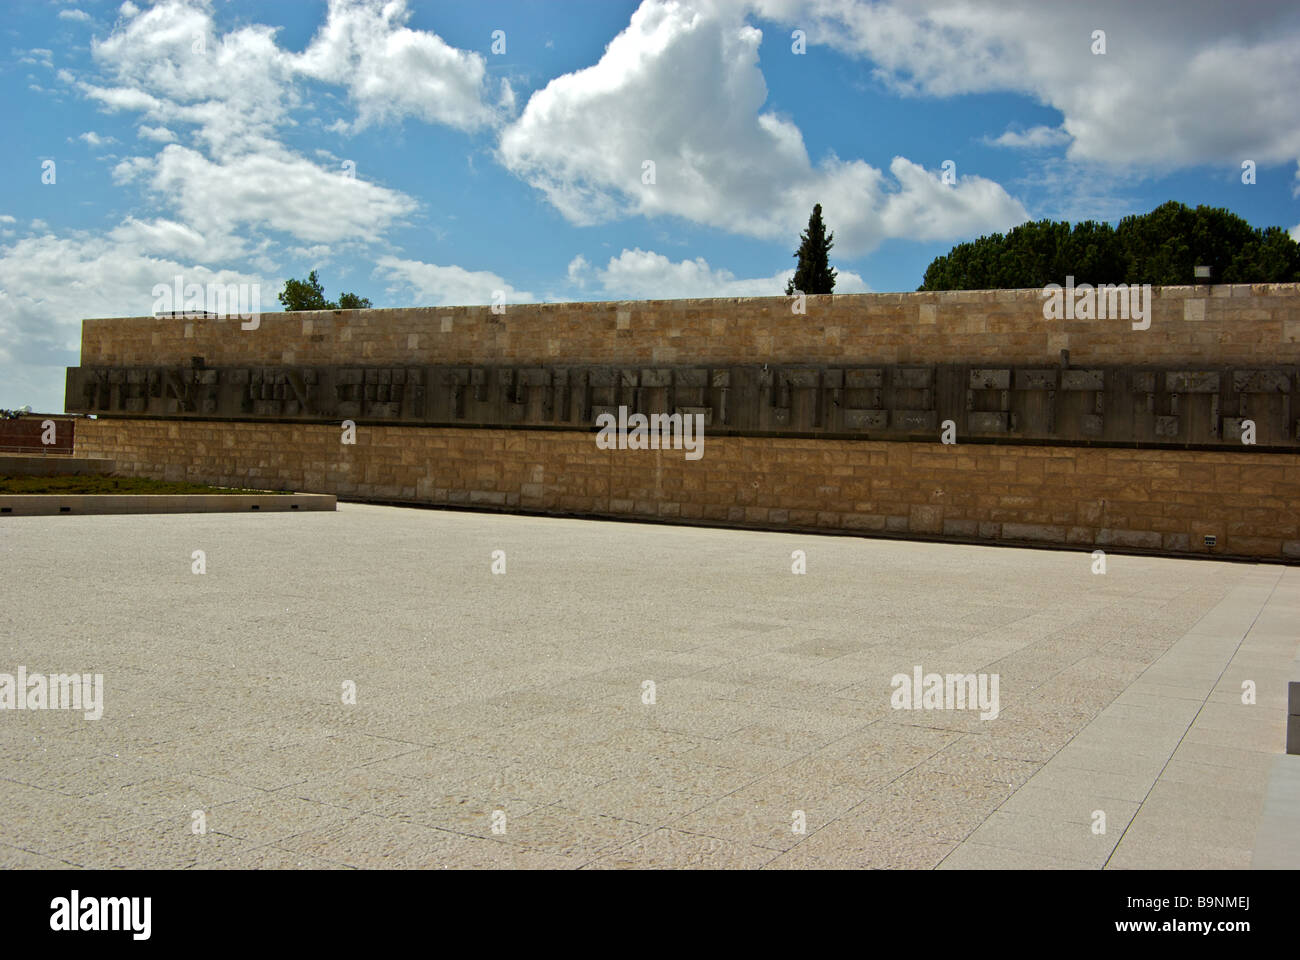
point(1216, 290)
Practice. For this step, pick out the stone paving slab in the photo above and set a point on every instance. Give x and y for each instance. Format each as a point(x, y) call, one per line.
point(1277, 837)
point(629, 696)
point(1139, 764)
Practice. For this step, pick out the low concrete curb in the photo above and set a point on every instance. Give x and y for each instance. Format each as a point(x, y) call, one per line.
point(39, 505)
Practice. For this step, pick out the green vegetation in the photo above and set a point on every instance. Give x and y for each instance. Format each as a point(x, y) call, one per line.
point(1160, 247)
point(98, 484)
point(310, 295)
point(813, 273)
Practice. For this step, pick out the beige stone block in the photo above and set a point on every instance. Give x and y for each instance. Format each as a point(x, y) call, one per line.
point(926, 519)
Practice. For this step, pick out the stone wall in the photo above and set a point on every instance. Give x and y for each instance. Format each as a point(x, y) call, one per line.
point(1226, 324)
point(1165, 500)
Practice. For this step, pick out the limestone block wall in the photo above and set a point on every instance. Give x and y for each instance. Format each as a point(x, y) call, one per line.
point(1164, 500)
point(1230, 324)
point(1167, 499)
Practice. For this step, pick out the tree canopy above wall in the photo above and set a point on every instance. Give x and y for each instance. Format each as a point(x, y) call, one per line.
point(1162, 247)
point(310, 295)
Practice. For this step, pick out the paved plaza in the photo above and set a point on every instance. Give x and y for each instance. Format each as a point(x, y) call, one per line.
point(630, 695)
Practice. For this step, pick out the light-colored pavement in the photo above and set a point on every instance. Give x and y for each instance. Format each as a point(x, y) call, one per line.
point(1177, 767)
point(502, 719)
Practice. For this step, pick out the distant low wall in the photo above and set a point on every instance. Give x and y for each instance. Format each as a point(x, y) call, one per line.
point(26, 434)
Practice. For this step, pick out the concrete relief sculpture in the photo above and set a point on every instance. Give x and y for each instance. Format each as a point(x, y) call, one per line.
point(1142, 406)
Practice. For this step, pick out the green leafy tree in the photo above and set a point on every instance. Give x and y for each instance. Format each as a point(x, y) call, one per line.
point(813, 273)
point(310, 295)
point(1161, 247)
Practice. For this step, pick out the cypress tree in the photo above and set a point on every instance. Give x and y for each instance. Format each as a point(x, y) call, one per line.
point(813, 273)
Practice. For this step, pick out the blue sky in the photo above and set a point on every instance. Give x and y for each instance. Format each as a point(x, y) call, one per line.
point(209, 140)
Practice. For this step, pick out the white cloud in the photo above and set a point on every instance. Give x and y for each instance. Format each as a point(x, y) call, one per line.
point(94, 139)
point(314, 255)
point(392, 71)
point(238, 195)
point(1175, 88)
point(169, 63)
point(160, 134)
point(275, 191)
point(681, 87)
point(1035, 138)
point(578, 269)
point(507, 100)
point(428, 284)
point(39, 56)
point(79, 15)
point(926, 208)
point(645, 275)
point(169, 238)
point(123, 98)
point(48, 284)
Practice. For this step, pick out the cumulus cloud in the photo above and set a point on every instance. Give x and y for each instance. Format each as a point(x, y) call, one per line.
point(79, 15)
point(680, 88)
point(236, 194)
point(392, 71)
point(428, 284)
point(1148, 100)
point(170, 63)
point(645, 275)
point(160, 134)
point(1035, 138)
point(276, 191)
point(162, 237)
point(49, 283)
point(578, 270)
